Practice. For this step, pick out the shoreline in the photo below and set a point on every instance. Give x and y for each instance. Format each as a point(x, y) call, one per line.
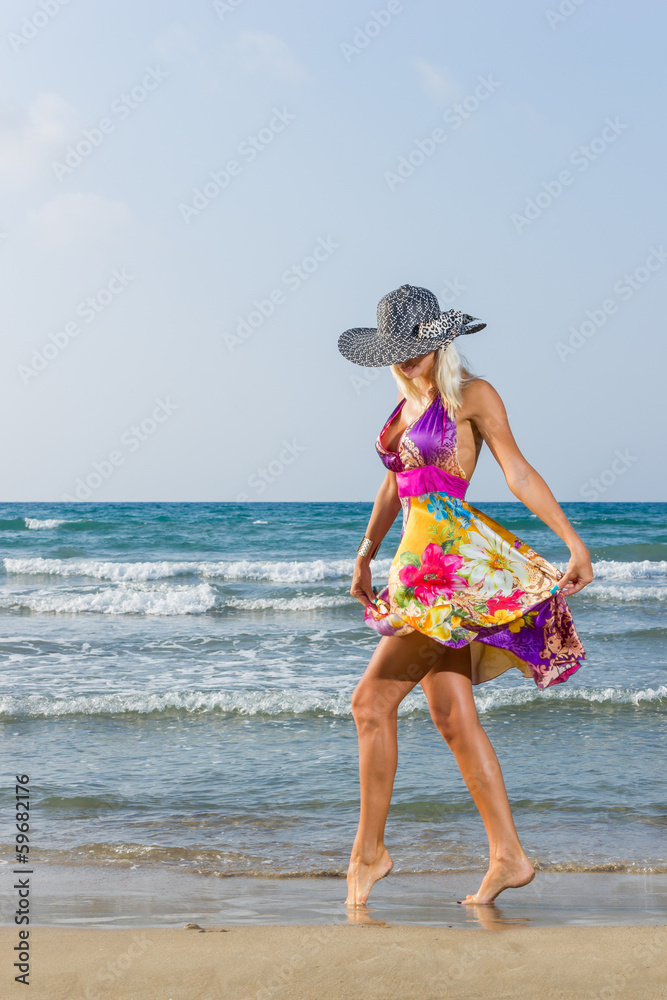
point(69, 896)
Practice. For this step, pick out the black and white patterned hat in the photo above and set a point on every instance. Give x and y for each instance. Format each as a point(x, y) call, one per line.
point(409, 324)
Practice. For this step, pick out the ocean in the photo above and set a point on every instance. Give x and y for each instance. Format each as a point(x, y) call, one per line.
point(177, 677)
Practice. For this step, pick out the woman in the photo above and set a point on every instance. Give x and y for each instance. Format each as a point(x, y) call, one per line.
point(466, 598)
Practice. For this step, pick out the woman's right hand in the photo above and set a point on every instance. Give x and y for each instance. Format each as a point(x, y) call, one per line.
point(362, 583)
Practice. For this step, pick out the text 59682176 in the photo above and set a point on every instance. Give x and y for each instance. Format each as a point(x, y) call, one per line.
point(22, 882)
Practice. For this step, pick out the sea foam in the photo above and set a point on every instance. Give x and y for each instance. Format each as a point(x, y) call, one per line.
point(604, 592)
point(278, 571)
point(270, 571)
point(274, 702)
point(303, 602)
point(161, 600)
point(646, 569)
point(34, 523)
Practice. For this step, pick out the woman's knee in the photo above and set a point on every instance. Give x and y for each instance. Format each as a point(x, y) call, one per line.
point(455, 721)
point(372, 705)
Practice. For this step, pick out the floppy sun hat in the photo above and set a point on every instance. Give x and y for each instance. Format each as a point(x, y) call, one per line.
point(410, 324)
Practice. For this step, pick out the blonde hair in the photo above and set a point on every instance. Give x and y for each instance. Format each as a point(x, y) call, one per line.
point(450, 374)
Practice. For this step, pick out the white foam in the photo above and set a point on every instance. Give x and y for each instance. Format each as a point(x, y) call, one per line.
point(271, 571)
point(98, 569)
point(35, 524)
point(487, 701)
point(146, 597)
point(243, 702)
point(628, 593)
point(277, 702)
point(305, 571)
point(165, 599)
point(646, 569)
point(299, 603)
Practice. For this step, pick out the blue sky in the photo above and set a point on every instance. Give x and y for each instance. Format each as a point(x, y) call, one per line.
point(172, 336)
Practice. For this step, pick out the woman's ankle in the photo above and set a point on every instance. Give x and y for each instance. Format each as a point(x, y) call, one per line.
point(508, 855)
point(367, 854)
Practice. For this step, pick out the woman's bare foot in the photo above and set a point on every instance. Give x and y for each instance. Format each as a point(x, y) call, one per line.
point(362, 876)
point(507, 874)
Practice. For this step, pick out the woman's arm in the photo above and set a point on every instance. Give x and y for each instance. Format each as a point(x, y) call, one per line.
point(385, 509)
point(485, 408)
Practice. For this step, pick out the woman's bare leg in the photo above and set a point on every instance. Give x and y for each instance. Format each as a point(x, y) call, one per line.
point(397, 665)
point(448, 688)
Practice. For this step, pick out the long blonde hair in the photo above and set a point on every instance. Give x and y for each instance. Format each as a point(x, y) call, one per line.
point(450, 374)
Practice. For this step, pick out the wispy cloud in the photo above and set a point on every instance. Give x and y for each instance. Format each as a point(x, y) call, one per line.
point(78, 218)
point(26, 144)
point(264, 53)
point(437, 82)
point(175, 42)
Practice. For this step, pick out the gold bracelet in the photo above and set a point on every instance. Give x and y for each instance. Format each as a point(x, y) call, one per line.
point(366, 546)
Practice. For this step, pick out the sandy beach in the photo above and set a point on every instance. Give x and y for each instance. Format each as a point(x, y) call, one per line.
point(151, 935)
point(304, 962)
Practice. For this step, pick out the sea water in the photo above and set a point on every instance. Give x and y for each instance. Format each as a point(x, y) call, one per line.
point(176, 680)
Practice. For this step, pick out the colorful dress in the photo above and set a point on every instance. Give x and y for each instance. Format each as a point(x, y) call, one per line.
point(460, 577)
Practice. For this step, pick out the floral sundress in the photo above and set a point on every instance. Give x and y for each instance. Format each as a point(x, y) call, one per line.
point(460, 577)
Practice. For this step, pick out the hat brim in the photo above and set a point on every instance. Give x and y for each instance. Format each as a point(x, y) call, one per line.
point(363, 346)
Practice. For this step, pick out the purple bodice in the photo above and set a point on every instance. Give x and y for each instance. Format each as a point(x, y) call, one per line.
point(426, 460)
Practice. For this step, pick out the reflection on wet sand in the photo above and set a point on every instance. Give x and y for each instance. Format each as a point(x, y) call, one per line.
point(362, 915)
point(485, 915)
point(491, 917)
point(124, 897)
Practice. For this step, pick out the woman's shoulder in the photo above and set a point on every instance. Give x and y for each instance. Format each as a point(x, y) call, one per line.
point(479, 396)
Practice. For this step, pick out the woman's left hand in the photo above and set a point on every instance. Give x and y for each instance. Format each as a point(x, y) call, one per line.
point(579, 572)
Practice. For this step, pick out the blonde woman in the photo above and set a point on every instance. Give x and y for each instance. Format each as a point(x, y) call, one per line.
point(466, 599)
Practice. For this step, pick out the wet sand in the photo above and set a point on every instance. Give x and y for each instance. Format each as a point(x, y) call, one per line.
point(140, 896)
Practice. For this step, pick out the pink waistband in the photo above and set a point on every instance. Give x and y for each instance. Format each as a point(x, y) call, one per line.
point(430, 479)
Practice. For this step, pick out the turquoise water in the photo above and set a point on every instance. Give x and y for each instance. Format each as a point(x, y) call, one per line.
point(177, 678)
